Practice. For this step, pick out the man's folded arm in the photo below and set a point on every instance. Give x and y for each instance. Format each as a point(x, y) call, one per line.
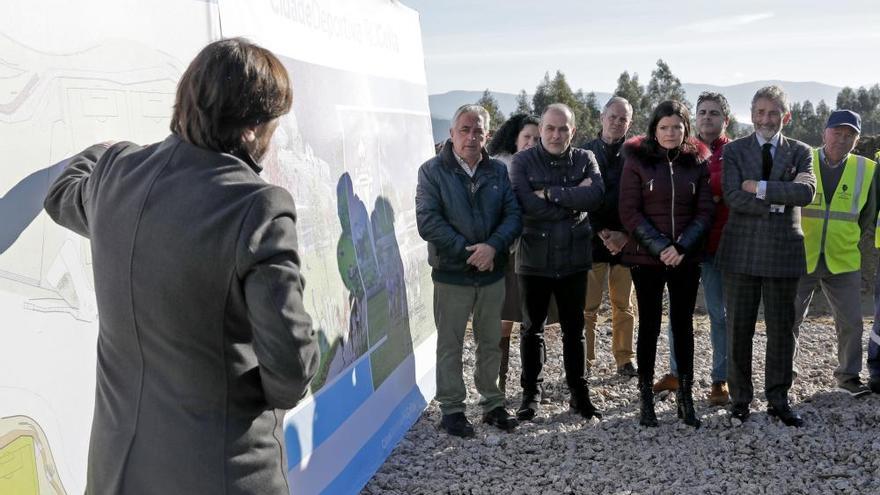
point(731, 182)
point(800, 190)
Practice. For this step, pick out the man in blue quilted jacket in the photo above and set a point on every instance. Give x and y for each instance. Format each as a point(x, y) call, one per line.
point(466, 210)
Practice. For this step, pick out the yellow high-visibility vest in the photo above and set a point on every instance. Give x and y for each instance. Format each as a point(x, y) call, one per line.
point(833, 228)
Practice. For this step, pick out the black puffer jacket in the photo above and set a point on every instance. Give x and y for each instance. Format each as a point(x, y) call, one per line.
point(556, 233)
point(663, 202)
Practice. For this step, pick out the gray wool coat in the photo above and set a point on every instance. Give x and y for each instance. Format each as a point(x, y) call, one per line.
point(203, 336)
point(755, 241)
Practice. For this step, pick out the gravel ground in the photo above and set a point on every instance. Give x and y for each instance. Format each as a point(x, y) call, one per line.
point(838, 451)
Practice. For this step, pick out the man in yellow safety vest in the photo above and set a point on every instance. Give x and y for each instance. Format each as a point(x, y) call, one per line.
point(845, 205)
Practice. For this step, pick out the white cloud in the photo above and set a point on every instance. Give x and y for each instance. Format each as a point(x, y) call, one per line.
point(726, 24)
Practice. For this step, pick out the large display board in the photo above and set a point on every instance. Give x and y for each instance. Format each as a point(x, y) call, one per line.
point(76, 73)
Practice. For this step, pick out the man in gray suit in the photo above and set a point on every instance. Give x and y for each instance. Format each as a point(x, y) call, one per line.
point(203, 337)
point(766, 179)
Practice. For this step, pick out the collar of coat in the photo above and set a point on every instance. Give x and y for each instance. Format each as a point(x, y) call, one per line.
point(640, 149)
point(546, 156)
point(717, 142)
point(246, 157)
point(240, 153)
point(448, 156)
point(615, 143)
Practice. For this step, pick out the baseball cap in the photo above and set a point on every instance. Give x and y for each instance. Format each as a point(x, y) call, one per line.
point(845, 117)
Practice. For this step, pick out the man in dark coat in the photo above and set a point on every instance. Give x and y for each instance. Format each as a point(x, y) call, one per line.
point(203, 337)
point(766, 178)
point(555, 185)
point(609, 238)
point(467, 212)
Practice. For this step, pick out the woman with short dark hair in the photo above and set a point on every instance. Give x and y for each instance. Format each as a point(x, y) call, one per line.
point(519, 132)
point(666, 206)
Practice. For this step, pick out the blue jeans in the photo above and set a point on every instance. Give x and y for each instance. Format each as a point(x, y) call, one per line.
point(713, 294)
point(874, 338)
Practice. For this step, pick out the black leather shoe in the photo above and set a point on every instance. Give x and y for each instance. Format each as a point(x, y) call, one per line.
point(581, 404)
point(499, 417)
point(740, 412)
point(588, 411)
point(874, 385)
point(786, 415)
point(529, 408)
point(456, 424)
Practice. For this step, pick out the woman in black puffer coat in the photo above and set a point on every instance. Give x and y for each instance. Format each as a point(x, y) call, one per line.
point(666, 206)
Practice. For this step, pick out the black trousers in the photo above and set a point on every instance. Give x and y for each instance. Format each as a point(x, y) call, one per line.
point(682, 282)
point(570, 293)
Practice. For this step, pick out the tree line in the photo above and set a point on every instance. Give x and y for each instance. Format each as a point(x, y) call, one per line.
point(807, 123)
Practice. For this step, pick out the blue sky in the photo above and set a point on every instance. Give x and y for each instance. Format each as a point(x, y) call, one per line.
point(507, 46)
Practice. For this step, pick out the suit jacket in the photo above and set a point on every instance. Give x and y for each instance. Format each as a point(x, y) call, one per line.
point(755, 241)
point(203, 335)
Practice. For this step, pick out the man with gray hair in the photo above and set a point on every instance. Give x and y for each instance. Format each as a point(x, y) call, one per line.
point(556, 185)
point(466, 211)
point(845, 206)
point(608, 241)
point(766, 180)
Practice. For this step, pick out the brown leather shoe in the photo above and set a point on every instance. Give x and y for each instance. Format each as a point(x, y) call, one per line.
point(719, 396)
point(668, 382)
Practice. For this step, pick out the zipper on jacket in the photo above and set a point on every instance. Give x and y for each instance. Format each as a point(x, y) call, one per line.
point(476, 213)
point(672, 183)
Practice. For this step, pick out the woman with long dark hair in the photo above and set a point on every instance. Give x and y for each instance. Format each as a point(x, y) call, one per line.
point(519, 132)
point(666, 206)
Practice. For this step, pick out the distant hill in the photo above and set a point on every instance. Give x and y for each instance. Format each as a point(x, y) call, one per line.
point(740, 95)
point(443, 105)
point(440, 127)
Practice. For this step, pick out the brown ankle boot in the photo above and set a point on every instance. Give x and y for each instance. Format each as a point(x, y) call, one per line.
point(719, 396)
point(668, 382)
point(505, 364)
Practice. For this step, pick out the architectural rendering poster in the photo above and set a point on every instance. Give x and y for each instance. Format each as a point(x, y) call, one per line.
point(348, 152)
